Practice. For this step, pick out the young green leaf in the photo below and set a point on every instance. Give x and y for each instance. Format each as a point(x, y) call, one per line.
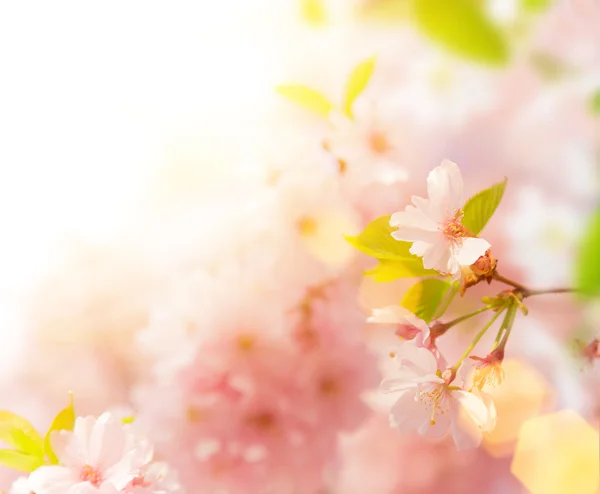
point(462, 28)
point(18, 432)
point(376, 241)
point(587, 267)
point(388, 270)
point(357, 82)
point(424, 297)
point(20, 461)
point(306, 97)
point(480, 208)
point(65, 420)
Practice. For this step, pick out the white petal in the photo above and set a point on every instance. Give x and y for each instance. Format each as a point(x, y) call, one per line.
point(436, 257)
point(107, 442)
point(469, 414)
point(414, 218)
point(437, 430)
point(419, 359)
point(471, 250)
point(395, 384)
point(52, 480)
point(445, 187)
point(391, 314)
point(407, 414)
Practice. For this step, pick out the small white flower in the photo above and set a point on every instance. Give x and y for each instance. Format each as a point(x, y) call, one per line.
point(435, 226)
point(428, 403)
point(100, 456)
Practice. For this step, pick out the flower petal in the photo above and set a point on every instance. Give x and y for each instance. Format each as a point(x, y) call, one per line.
point(390, 314)
point(468, 414)
point(107, 443)
point(407, 414)
point(413, 217)
point(52, 480)
point(471, 250)
point(395, 384)
point(445, 188)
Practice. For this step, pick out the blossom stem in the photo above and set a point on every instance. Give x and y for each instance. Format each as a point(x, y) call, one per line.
point(498, 277)
point(506, 328)
point(528, 292)
point(477, 338)
point(460, 319)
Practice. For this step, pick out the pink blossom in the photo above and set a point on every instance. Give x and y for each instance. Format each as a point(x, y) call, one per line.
point(100, 456)
point(434, 225)
point(428, 403)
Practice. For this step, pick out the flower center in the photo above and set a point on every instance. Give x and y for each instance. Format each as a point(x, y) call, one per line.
point(378, 142)
point(263, 421)
point(453, 229)
point(91, 475)
point(434, 397)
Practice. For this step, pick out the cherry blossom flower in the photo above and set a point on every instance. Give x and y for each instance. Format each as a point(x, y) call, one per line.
point(408, 326)
point(434, 225)
point(430, 404)
point(100, 456)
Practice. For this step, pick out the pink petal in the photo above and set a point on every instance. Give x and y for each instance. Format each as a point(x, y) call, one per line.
point(413, 217)
point(469, 414)
point(406, 414)
point(107, 442)
point(445, 188)
point(471, 250)
point(52, 480)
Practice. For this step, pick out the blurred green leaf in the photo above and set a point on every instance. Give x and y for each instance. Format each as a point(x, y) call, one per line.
point(535, 6)
point(424, 297)
point(313, 11)
point(18, 432)
point(462, 28)
point(388, 270)
point(306, 97)
point(587, 267)
point(595, 103)
point(128, 420)
point(20, 461)
point(65, 420)
point(481, 207)
point(357, 82)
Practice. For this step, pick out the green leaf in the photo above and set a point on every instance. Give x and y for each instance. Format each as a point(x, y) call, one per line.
point(376, 240)
point(535, 6)
point(595, 103)
point(481, 207)
point(587, 267)
point(388, 270)
point(424, 297)
point(306, 97)
point(462, 28)
point(18, 432)
point(357, 82)
point(20, 461)
point(65, 420)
